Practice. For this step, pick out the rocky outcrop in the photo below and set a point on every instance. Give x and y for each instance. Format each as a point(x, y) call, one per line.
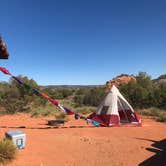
point(121, 79)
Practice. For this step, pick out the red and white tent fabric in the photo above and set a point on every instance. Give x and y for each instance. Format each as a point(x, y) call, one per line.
point(115, 110)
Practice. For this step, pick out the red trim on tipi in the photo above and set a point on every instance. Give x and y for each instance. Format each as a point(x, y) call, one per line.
point(114, 120)
point(137, 117)
point(105, 119)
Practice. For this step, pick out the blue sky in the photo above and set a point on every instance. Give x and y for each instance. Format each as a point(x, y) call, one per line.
point(83, 41)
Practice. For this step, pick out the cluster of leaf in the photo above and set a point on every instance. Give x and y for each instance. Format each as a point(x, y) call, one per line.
point(18, 98)
point(89, 97)
point(59, 93)
point(144, 93)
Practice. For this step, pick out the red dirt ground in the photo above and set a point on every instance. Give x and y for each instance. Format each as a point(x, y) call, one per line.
point(79, 144)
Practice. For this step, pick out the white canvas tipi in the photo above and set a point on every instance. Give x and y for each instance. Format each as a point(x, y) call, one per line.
point(115, 110)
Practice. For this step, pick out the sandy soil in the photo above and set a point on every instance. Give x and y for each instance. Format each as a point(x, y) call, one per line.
point(79, 144)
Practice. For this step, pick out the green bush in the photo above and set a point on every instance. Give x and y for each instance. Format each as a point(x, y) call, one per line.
point(145, 93)
point(85, 110)
point(8, 151)
point(60, 116)
point(162, 117)
point(89, 97)
point(141, 94)
point(48, 110)
point(150, 112)
point(94, 96)
point(145, 112)
point(155, 111)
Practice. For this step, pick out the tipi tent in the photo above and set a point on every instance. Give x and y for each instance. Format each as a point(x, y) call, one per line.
point(115, 110)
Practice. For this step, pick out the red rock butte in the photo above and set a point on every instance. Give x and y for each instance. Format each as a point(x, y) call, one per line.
point(121, 79)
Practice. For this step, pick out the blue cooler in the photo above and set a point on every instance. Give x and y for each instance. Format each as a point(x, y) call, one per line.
point(18, 137)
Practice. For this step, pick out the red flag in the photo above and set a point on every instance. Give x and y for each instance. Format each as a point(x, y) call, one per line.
point(5, 71)
point(45, 96)
point(55, 102)
point(68, 112)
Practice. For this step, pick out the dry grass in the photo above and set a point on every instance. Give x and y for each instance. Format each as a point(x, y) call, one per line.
point(61, 116)
point(157, 113)
point(48, 110)
point(85, 110)
point(8, 151)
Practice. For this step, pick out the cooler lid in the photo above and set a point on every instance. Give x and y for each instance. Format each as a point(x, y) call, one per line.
point(14, 132)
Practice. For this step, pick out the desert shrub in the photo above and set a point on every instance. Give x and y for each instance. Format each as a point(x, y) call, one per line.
point(47, 110)
point(89, 97)
point(8, 151)
point(81, 91)
point(93, 97)
point(162, 117)
point(155, 111)
point(58, 93)
point(150, 112)
point(40, 112)
point(159, 114)
point(78, 99)
point(14, 105)
point(15, 97)
point(35, 113)
point(85, 110)
point(60, 115)
point(144, 93)
point(145, 112)
point(139, 93)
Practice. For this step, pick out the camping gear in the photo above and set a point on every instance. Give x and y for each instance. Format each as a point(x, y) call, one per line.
point(18, 137)
point(95, 123)
point(56, 122)
point(115, 110)
point(76, 116)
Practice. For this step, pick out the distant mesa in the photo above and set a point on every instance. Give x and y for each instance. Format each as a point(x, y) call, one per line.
point(3, 50)
point(119, 80)
point(160, 79)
